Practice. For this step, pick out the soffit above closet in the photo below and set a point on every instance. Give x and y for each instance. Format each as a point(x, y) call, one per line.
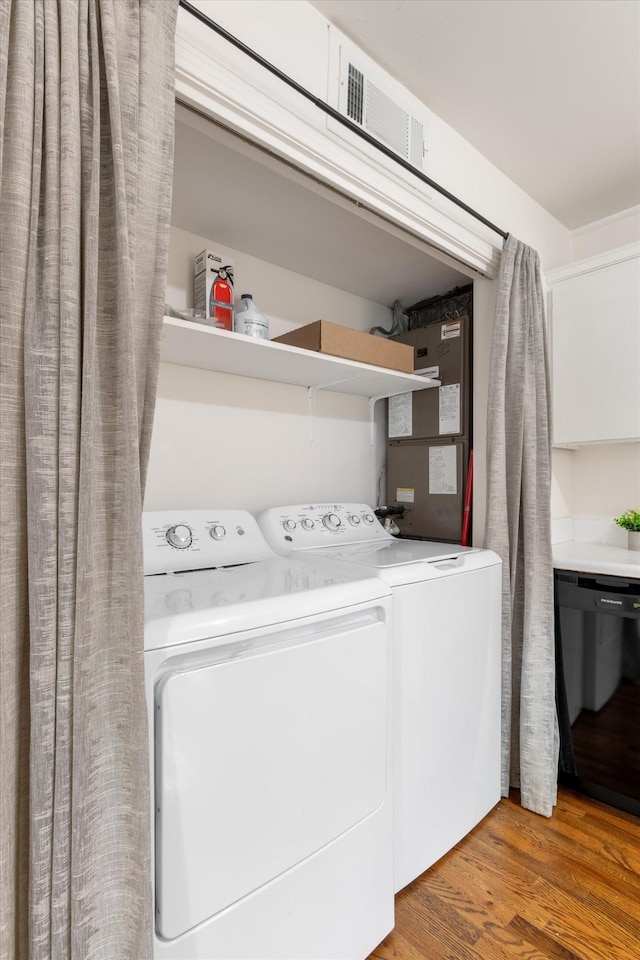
point(238, 196)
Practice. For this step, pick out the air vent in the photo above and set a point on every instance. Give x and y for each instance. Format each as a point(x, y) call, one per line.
point(387, 121)
point(355, 95)
point(372, 103)
point(416, 143)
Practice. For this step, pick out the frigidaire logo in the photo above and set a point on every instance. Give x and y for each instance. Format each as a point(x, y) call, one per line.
point(615, 603)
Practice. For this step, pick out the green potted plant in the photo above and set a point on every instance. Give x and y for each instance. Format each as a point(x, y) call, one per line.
point(630, 521)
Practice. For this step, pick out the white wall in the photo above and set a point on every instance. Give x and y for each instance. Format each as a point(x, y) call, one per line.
point(225, 458)
point(606, 479)
point(237, 442)
point(604, 235)
point(562, 483)
point(303, 301)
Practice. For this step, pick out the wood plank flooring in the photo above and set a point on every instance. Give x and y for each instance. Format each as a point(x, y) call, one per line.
point(524, 887)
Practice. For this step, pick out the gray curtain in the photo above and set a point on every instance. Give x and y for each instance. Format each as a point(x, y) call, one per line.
point(87, 114)
point(518, 527)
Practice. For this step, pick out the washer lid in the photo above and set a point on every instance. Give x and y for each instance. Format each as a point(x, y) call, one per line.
point(203, 604)
point(394, 553)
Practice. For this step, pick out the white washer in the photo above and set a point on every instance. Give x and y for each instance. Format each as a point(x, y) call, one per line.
point(447, 673)
point(269, 696)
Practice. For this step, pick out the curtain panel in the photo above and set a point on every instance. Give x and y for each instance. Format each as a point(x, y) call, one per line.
point(87, 115)
point(518, 527)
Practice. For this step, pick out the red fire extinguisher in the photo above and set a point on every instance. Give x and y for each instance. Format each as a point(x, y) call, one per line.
point(222, 293)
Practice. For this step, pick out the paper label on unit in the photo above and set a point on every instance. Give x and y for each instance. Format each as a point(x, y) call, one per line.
point(432, 372)
point(442, 470)
point(449, 409)
point(401, 415)
point(405, 494)
point(450, 329)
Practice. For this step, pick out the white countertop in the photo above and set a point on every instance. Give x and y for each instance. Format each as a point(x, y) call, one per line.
point(596, 558)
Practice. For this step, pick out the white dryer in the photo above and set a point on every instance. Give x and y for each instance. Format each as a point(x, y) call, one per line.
point(269, 696)
point(447, 668)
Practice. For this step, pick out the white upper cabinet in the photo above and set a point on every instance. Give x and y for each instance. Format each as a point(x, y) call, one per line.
point(595, 322)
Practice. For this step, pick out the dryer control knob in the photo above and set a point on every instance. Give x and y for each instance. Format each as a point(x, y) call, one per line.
point(180, 536)
point(218, 532)
point(369, 518)
point(289, 525)
point(331, 521)
point(306, 524)
point(353, 520)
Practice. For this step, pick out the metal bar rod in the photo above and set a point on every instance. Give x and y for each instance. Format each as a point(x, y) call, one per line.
point(330, 111)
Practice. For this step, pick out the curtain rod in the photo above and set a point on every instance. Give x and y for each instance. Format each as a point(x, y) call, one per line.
point(330, 111)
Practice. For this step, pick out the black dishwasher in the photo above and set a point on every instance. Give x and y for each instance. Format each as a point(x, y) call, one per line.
point(597, 628)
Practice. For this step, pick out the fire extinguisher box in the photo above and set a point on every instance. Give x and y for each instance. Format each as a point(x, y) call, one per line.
point(213, 288)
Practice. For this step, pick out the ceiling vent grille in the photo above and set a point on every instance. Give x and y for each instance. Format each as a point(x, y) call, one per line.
point(379, 113)
point(387, 121)
point(416, 143)
point(355, 95)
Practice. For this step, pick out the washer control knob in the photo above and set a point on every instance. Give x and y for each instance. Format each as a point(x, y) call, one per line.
point(289, 525)
point(353, 520)
point(218, 532)
point(331, 521)
point(306, 524)
point(180, 536)
point(369, 518)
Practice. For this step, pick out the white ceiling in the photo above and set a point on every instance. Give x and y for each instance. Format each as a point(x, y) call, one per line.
point(548, 90)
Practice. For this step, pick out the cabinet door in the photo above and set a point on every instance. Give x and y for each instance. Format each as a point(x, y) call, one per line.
point(596, 355)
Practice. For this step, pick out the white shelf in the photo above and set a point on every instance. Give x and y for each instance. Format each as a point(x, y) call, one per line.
point(197, 345)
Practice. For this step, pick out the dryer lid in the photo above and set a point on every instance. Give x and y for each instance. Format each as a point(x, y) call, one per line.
point(395, 553)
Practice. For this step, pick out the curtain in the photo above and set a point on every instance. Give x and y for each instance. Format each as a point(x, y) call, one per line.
point(86, 141)
point(518, 527)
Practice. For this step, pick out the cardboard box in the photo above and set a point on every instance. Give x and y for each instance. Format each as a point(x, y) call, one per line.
point(338, 341)
point(213, 274)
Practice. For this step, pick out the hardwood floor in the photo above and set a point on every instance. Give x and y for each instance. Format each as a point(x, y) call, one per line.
point(527, 887)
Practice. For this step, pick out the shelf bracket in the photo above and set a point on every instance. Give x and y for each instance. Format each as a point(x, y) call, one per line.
point(311, 395)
